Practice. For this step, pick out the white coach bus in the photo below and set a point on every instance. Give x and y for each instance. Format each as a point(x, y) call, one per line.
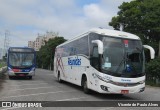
point(106, 61)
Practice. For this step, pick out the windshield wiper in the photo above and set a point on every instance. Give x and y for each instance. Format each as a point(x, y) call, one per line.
point(137, 48)
point(110, 72)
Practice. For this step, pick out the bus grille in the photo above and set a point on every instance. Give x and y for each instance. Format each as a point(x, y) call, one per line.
point(125, 84)
point(25, 74)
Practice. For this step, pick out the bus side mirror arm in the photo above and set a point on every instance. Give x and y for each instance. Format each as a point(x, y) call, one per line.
point(152, 52)
point(100, 46)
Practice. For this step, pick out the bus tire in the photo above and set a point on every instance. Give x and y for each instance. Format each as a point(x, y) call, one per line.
point(59, 77)
point(10, 77)
point(119, 95)
point(30, 77)
point(85, 86)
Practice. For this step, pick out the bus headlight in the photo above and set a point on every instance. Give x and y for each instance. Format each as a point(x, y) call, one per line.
point(9, 69)
point(103, 79)
point(33, 69)
point(105, 88)
point(141, 82)
point(142, 89)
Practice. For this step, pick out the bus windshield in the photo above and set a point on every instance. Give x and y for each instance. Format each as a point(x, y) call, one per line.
point(122, 57)
point(21, 60)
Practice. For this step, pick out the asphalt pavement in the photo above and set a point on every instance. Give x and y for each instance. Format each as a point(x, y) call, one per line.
point(45, 87)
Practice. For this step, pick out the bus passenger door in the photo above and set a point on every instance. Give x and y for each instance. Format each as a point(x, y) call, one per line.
point(94, 58)
point(94, 67)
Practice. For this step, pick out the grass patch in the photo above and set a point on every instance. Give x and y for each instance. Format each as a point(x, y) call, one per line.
point(2, 65)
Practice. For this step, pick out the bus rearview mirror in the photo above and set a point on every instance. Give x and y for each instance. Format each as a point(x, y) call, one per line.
point(152, 52)
point(100, 45)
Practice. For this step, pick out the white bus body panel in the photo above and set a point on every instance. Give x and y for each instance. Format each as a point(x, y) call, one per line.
point(73, 74)
point(112, 88)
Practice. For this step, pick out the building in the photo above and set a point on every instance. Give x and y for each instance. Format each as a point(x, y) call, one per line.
point(31, 44)
point(41, 39)
point(50, 35)
point(39, 42)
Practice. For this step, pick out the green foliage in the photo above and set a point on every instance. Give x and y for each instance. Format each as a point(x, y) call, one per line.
point(153, 72)
point(45, 56)
point(153, 68)
point(2, 64)
point(140, 17)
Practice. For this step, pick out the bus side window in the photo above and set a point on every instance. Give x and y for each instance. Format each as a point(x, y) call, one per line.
point(94, 58)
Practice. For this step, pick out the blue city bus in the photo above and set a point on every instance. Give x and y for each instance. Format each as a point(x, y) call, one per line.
point(21, 62)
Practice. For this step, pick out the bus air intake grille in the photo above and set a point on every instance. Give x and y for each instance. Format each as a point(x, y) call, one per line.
point(23, 74)
point(125, 84)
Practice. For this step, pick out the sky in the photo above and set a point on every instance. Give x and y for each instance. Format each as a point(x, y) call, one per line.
point(24, 19)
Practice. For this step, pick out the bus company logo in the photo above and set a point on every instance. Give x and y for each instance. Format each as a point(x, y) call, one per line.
point(125, 80)
point(75, 61)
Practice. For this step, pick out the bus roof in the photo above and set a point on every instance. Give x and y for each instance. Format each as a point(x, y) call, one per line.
point(20, 48)
point(107, 32)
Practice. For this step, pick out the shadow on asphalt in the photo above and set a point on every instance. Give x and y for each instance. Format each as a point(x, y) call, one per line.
point(19, 78)
point(2, 80)
point(98, 95)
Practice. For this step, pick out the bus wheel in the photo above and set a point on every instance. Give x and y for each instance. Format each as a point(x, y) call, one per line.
point(10, 77)
point(30, 77)
point(85, 86)
point(59, 78)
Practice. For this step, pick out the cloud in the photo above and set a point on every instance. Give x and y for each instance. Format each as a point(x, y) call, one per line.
point(95, 15)
point(93, 11)
point(26, 18)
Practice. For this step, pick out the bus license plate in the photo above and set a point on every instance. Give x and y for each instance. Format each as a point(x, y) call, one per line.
point(21, 74)
point(124, 91)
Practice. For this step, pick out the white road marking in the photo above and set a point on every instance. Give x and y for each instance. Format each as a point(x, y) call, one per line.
point(49, 74)
point(35, 88)
point(11, 108)
point(31, 88)
point(36, 94)
point(71, 99)
point(106, 108)
point(29, 84)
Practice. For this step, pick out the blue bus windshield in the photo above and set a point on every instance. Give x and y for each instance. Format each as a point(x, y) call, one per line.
point(21, 60)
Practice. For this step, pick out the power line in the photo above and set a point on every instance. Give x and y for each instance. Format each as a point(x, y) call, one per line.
point(6, 42)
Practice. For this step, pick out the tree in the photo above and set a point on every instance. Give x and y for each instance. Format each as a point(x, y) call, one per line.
point(5, 57)
point(45, 56)
point(140, 17)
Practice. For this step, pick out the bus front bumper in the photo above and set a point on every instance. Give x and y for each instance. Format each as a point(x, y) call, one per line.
point(31, 73)
point(111, 88)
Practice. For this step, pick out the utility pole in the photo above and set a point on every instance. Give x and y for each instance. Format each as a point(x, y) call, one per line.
point(6, 42)
point(159, 50)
